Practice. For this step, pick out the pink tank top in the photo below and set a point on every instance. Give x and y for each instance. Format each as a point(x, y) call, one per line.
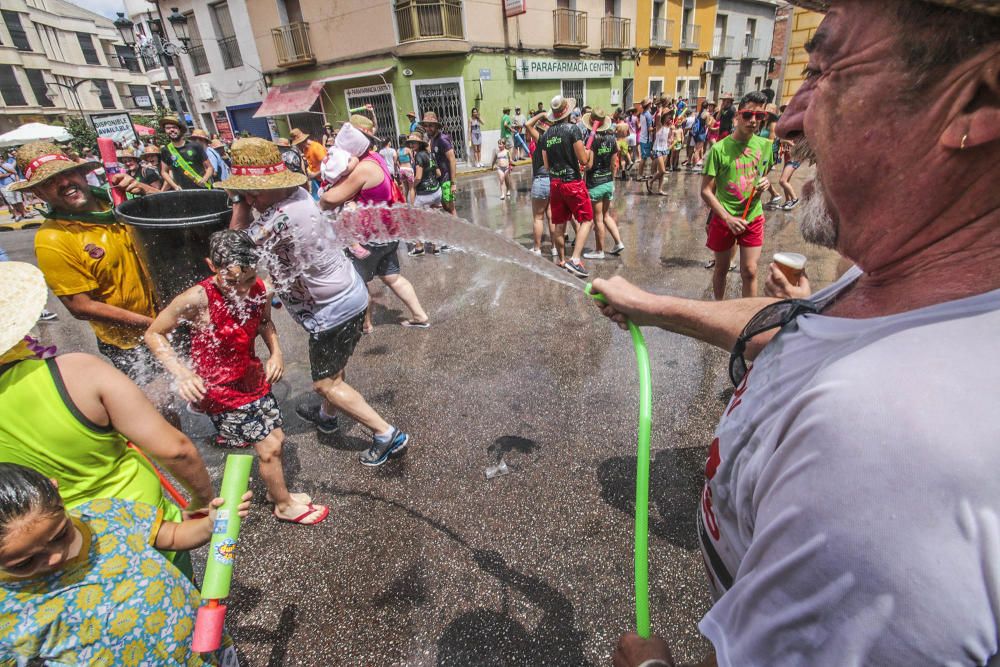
point(381, 192)
point(223, 352)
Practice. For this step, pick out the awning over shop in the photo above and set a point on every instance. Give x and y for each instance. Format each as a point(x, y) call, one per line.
point(294, 97)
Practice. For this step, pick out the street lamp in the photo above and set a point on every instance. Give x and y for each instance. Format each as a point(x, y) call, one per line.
point(158, 47)
point(72, 88)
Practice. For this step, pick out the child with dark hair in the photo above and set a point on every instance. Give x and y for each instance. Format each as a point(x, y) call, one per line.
point(89, 587)
point(227, 312)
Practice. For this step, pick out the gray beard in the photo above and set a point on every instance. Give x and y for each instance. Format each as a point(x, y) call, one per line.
point(816, 223)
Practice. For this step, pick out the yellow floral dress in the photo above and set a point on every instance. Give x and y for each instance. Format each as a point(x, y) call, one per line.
point(119, 602)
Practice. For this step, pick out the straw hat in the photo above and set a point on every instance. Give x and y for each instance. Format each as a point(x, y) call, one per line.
point(297, 136)
point(217, 144)
point(173, 120)
point(416, 138)
point(281, 141)
point(151, 150)
point(199, 133)
point(41, 160)
point(22, 299)
point(430, 118)
point(726, 96)
point(257, 165)
point(561, 108)
point(597, 116)
point(363, 123)
point(991, 7)
point(411, 114)
point(125, 155)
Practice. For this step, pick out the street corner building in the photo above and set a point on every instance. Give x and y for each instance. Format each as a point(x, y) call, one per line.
point(447, 56)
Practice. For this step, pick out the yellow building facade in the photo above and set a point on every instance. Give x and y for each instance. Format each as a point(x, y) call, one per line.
point(674, 38)
point(803, 27)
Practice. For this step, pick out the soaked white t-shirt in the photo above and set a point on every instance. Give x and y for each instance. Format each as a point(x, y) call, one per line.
point(851, 514)
point(315, 280)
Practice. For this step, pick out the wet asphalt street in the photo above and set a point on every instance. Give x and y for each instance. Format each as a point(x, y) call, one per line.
point(426, 562)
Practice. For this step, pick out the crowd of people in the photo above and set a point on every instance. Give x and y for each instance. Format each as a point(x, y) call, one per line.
point(850, 510)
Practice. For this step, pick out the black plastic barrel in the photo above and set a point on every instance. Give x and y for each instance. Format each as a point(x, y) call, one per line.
point(171, 231)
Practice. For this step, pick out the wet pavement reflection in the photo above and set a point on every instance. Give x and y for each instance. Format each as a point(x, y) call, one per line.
point(425, 561)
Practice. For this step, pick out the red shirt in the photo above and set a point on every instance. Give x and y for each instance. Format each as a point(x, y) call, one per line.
point(224, 353)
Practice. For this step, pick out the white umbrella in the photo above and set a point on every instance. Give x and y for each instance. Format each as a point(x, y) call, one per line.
point(34, 132)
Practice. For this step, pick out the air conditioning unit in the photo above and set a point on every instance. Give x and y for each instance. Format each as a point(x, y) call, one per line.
point(204, 91)
point(707, 67)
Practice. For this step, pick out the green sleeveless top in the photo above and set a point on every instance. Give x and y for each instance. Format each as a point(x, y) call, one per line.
point(42, 429)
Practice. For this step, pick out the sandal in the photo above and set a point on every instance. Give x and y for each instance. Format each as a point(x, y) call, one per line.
point(416, 325)
point(301, 519)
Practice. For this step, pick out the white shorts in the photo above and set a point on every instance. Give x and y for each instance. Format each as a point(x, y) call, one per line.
point(11, 196)
point(429, 200)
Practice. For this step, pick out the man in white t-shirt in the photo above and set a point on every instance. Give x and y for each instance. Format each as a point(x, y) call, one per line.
point(316, 282)
point(851, 509)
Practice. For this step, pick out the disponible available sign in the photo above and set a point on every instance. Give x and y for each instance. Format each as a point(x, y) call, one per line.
point(117, 126)
point(552, 68)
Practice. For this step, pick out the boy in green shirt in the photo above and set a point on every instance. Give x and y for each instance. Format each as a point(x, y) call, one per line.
point(733, 179)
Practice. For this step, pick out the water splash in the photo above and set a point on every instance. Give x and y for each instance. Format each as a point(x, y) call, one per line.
point(382, 224)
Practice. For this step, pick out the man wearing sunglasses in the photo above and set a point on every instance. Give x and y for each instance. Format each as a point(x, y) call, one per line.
point(733, 179)
point(851, 510)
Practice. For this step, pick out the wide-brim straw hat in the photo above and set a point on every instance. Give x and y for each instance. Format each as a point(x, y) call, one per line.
point(297, 136)
point(151, 150)
point(597, 116)
point(22, 298)
point(125, 155)
point(363, 123)
point(991, 7)
point(173, 120)
point(257, 165)
point(199, 133)
point(416, 138)
point(561, 107)
point(41, 160)
point(217, 144)
point(281, 141)
point(430, 118)
point(726, 96)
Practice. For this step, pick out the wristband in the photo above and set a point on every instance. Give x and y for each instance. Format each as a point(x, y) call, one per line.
point(655, 662)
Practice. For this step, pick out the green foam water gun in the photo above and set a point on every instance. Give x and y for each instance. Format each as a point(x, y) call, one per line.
point(641, 474)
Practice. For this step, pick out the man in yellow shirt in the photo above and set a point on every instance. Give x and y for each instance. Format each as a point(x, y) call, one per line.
point(89, 259)
point(314, 153)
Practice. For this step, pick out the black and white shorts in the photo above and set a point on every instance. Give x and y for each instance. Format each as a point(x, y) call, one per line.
point(248, 424)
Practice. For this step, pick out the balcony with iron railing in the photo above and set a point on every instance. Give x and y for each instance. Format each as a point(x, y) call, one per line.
point(230, 49)
point(569, 28)
point(690, 37)
point(661, 34)
point(292, 46)
point(724, 48)
point(752, 49)
point(616, 33)
point(428, 27)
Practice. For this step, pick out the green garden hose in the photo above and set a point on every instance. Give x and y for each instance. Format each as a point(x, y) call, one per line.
point(641, 475)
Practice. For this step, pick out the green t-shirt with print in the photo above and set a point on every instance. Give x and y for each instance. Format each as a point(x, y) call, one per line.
point(736, 168)
point(505, 132)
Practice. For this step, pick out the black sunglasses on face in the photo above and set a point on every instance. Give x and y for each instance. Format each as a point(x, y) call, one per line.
point(774, 316)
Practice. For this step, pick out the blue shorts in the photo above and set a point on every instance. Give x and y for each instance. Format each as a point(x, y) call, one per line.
point(540, 187)
point(646, 149)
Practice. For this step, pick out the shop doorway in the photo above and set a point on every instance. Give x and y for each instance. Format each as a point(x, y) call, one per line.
point(446, 100)
point(383, 103)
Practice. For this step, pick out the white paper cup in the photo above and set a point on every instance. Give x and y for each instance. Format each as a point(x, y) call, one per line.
point(792, 264)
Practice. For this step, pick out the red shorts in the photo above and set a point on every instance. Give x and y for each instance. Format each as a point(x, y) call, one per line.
point(721, 239)
point(570, 198)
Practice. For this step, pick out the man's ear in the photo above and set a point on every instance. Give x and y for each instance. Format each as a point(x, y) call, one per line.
point(55, 482)
point(977, 121)
point(211, 267)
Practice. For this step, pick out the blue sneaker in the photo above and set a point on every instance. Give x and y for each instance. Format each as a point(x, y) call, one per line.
point(380, 452)
point(312, 414)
